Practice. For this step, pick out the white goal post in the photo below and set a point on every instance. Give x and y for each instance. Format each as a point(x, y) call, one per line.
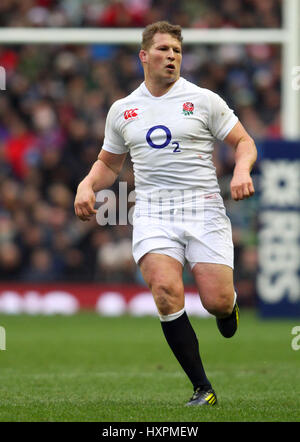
point(288, 37)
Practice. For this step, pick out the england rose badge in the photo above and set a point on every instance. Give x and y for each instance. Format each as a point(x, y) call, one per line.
point(188, 108)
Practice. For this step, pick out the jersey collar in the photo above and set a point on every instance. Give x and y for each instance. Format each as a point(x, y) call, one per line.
point(175, 86)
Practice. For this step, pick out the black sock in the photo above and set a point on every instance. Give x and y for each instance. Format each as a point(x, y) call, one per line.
point(183, 341)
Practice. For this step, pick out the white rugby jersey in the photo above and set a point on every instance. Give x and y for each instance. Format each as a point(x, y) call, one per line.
point(170, 138)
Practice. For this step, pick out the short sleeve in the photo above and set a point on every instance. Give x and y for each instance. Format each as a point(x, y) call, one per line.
point(113, 140)
point(221, 118)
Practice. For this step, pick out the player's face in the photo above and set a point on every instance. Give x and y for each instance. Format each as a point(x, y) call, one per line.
point(163, 58)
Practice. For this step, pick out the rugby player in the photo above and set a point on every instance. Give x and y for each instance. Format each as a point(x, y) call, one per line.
point(169, 126)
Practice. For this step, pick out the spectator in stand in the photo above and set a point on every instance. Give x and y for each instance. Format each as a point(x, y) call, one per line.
point(10, 262)
point(138, 13)
point(41, 267)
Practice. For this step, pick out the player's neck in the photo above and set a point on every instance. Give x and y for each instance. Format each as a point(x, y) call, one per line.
point(158, 89)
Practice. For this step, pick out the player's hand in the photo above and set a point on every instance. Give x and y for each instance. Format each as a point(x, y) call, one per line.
point(84, 203)
point(241, 185)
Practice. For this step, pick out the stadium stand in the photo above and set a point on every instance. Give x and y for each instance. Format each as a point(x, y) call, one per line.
point(52, 117)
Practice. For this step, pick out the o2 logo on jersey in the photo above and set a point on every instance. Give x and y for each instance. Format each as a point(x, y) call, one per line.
point(166, 142)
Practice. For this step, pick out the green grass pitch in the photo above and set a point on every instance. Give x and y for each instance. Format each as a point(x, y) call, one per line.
point(91, 368)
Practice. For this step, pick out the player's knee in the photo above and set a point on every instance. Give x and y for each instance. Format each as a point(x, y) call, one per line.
point(220, 306)
point(163, 304)
point(167, 297)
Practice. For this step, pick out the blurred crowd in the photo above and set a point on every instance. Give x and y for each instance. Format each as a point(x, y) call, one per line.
point(52, 119)
point(139, 13)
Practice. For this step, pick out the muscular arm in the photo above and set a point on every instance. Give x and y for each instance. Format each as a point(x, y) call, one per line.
point(241, 185)
point(102, 175)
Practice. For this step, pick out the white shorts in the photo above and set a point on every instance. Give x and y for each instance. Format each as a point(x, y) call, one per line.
point(209, 240)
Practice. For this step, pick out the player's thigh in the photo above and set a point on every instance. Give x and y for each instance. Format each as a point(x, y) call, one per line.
point(163, 275)
point(215, 285)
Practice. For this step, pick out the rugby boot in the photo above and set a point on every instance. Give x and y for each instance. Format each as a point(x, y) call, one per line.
point(228, 326)
point(203, 397)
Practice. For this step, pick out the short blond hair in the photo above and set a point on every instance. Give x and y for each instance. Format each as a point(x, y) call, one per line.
point(162, 27)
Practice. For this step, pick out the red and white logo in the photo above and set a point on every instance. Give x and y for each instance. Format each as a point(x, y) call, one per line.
point(130, 113)
point(188, 108)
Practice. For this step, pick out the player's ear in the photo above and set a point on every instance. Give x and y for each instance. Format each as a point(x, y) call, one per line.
point(143, 55)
